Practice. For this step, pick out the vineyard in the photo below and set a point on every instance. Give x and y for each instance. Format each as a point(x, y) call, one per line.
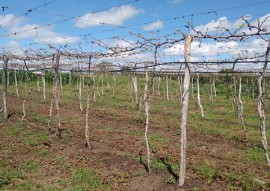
point(186, 110)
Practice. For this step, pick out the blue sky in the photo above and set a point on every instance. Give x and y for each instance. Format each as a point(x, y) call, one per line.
point(104, 19)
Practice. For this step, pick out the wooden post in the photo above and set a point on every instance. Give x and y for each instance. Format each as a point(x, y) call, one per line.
point(5, 86)
point(44, 85)
point(80, 89)
point(146, 108)
point(185, 99)
point(56, 96)
point(87, 107)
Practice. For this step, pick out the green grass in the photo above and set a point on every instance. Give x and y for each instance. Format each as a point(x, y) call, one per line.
point(31, 138)
point(219, 122)
point(43, 152)
point(8, 177)
point(110, 129)
point(39, 118)
point(85, 179)
point(207, 172)
point(29, 166)
point(15, 129)
point(255, 154)
point(135, 132)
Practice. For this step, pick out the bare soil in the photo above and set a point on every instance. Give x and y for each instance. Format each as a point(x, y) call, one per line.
point(115, 151)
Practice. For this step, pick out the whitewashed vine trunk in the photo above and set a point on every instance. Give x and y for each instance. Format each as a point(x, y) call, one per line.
point(5, 86)
point(94, 88)
point(135, 88)
point(158, 86)
point(198, 96)
point(38, 87)
point(234, 96)
point(114, 84)
point(107, 80)
point(130, 88)
point(24, 102)
point(211, 91)
point(50, 114)
point(261, 108)
point(146, 108)
point(69, 78)
point(167, 87)
point(253, 89)
point(16, 82)
point(61, 85)
point(214, 87)
point(102, 84)
point(241, 110)
point(44, 86)
point(192, 87)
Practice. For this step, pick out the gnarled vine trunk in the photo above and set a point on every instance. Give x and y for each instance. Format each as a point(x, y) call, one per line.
point(241, 110)
point(56, 95)
point(198, 96)
point(261, 106)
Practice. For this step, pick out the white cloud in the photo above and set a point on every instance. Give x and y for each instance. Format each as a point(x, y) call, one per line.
point(121, 43)
point(7, 20)
point(114, 16)
point(222, 24)
point(264, 21)
point(41, 35)
point(214, 50)
point(214, 26)
point(177, 1)
point(11, 46)
point(153, 26)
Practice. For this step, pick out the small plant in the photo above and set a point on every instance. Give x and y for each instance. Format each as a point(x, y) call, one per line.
point(170, 180)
